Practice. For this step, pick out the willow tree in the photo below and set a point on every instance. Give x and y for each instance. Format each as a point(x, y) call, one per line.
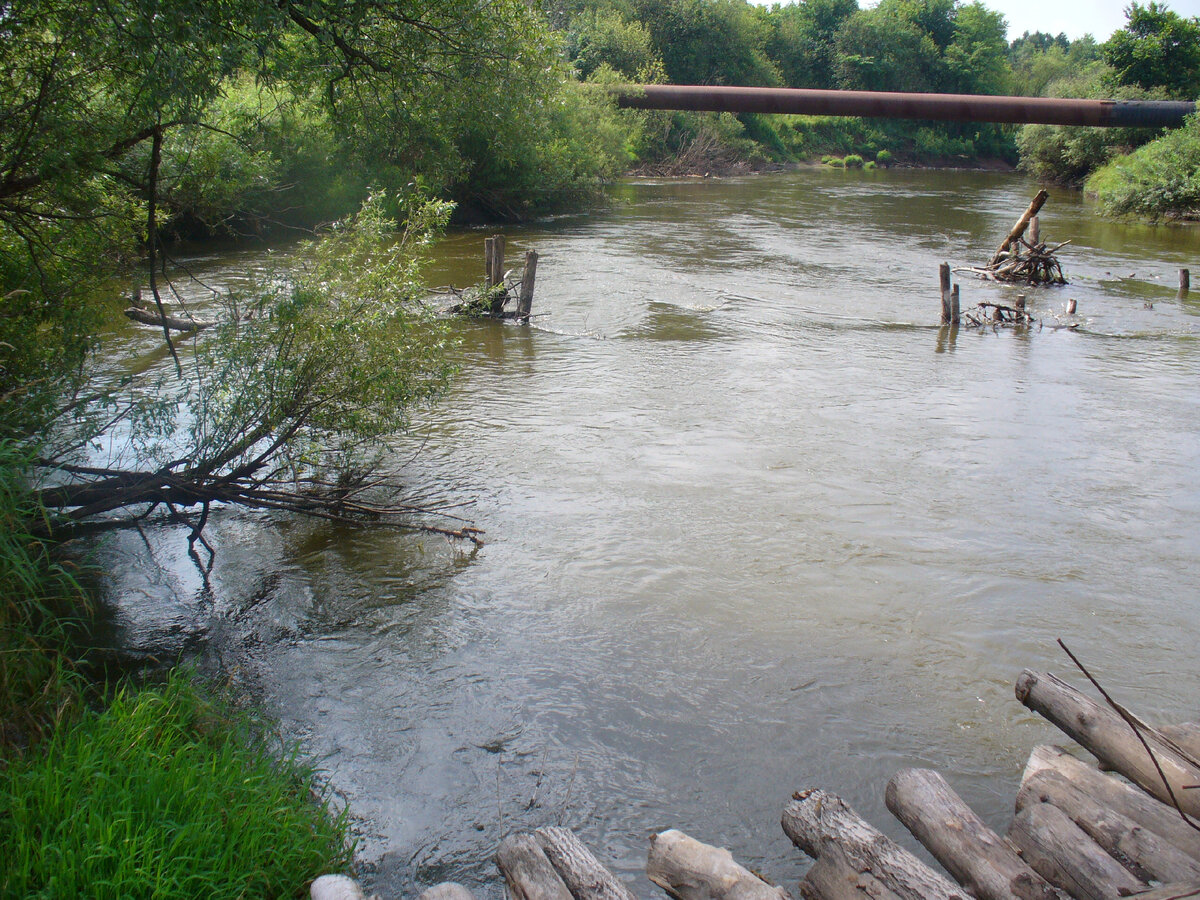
point(276, 405)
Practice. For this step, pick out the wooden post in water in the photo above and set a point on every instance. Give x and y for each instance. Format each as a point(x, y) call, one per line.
point(1035, 231)
point(489, 248)
point(525, 299)
point(944, 276)
point(1185, 282)
point(954, 310)
point(496, 274)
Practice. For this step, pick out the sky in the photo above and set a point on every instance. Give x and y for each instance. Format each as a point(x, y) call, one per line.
point(1100, 18)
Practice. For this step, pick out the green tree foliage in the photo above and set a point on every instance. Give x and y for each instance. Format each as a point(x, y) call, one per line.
point(710, 41)
point(1156, 48)
point(802, 40)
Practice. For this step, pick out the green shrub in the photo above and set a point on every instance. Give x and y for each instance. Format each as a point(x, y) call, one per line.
point(853, 161)
point(826, 159)
point(1158, 180)
point(883, 157)
point(167, 794)
point(837, 162)
point(869, 165)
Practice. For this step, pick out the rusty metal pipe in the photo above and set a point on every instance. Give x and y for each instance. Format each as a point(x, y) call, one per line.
point(877, 104)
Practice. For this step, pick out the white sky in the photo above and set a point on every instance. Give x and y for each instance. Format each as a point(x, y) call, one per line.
point(1100, 18)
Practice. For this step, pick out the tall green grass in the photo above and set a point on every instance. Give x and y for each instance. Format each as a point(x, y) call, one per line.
point(164, 794)
point(43, 612)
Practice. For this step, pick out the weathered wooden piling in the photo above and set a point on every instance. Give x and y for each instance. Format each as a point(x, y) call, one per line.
point(1185, 282)
point(944, 279)
point(525, 298)
point(955, 311)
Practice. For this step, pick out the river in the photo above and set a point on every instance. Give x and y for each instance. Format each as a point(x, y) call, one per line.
point(754, 524)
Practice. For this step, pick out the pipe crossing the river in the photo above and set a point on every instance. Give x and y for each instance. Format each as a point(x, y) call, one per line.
point(878, 104)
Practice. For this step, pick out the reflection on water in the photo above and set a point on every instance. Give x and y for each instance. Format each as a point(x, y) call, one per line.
point(754, 524)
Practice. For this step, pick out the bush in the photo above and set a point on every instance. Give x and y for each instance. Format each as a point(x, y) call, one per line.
point(869, 165)
point(169, 794)
point(883, 157)
point(1158, 180)
point(853, 161)
point(837, 162)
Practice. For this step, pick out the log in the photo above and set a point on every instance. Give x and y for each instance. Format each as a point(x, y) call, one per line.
point(1116, 795)
point(815, 819)
point(1185, 736)
point(1111, 740)
point(527, 871)
point(579, 870)
point(525, 298)
point(1018, 230)
point(1146, 855)
point(146, 317)
point(1184, 891)
point(335, 887)
point(1058, 850)
point(690, 870)
point(447, 890)
point(982, 861)
point(832, 877)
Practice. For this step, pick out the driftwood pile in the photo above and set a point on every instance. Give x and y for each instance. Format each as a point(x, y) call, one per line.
point(1036, 265)
point(1077, 832)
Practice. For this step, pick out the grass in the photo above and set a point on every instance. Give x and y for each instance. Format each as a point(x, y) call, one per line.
point(166, 793)
point(43, 613)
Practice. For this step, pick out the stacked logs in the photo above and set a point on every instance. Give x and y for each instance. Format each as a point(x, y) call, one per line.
point(1077, 833)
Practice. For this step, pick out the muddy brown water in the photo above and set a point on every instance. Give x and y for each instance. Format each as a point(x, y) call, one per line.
point(754, 524)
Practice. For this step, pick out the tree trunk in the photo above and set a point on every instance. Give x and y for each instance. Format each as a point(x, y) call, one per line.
point(690, 870)
point(982, 861)
point(832, 877)
point(1117, 796)
point(1058, 850)
point(814, 819)
point(1111, 739)
point(527, 871)
point(582, 873)
point(1143, 852)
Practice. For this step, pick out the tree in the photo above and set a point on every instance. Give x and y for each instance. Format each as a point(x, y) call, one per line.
point(802, 40)
point(1156, 48)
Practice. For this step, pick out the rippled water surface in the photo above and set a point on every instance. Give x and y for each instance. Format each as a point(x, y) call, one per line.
point(754, 524)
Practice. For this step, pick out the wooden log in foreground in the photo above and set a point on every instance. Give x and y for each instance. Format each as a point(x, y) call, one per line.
point(1142, 852)
point(1187, 890)
point(815, 819)
point(1117, 796)
point(447, 890)
point(1111, 739)
point(146, 317)
point(527, 871)
point(832, 877)
point(1035, 206)
point(982, 861)
point(579, 870)
point(1058, 850)
point(690, 870)
point(1185, 736)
